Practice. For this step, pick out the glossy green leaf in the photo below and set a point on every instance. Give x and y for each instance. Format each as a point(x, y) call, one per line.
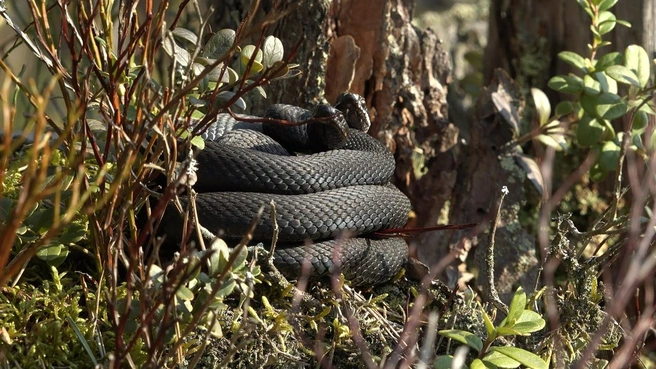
point(542, 106)
point(607, 22)
point(609, 156)
point(529, 322)
point(567, 84)
point(526, 358)
point(607, 60)
point(606, 4)
point(574, 59)
point(637, 60)
point(517, 305)
point(605, 105)
point(477, 364)
point(589, 131)
point(591, 85)
point(248, 52)
point(464, 337)
point(500, 360)
point(623, 74)
point(489, 326)
point(607, 84)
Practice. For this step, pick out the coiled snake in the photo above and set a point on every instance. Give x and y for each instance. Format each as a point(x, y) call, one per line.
point(328, 202)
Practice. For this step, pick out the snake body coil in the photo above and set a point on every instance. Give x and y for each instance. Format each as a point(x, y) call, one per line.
point(323, 196)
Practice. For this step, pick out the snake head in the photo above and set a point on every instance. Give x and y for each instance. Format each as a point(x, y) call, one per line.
point(327, 127)
point(355, 111)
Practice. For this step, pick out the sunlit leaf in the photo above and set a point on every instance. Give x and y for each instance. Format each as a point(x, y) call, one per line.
point(542, 105)
point(500, 360)
point(613, 58)
point(574, 59)
point(623, 74)
point(605, 105)
point(609, 156)
point(526, 358)
point(567, 84)
point(185, 34)
point(464, 337)
point(637, 60)
point(607, 22)
point(219, 44)
point(589, 131)
point(273, 51)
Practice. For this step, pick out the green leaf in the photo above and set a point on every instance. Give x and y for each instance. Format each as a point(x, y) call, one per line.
point(568, 84)
point(529, 322)
point(591, 86)
point(176, 51)
point(606, 4)
point(489, 326)
point(53, 254)
point(443, 362)
point(185, 34)
point(605, 105)
point(73, 233)
point(463, 337)
point(526, 358)
point(564, 108)
point(607, 84)
point(589, 131)
point(508, 331)
point(623, 74)
point(607, 60)
point(184, 294)
point(637, 60)
point(219, 44)
point(477, 364)
point(640, 121)
point(198, 142)
point(610, 154)
point(273, 51)
point(607, 22)
point(248, 52)
point(517, 305)
point(574, 59)
point(500, 360)
point(550, 141)
point(542, 105)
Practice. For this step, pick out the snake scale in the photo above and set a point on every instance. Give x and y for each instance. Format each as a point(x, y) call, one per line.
point(328, 201)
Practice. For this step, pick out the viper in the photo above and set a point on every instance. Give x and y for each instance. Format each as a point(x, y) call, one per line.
point(329, 182)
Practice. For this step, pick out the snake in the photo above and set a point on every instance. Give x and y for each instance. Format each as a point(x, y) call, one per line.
point(329, 181)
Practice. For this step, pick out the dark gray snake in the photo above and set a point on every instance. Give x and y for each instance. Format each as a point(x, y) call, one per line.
point(339, 190)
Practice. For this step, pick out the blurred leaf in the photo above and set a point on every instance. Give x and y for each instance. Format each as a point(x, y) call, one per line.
point(464, 337)
point(574, 59)
point(564, 108)
point(532, 171)
point(185, 34)
point(198, 142)
point(607, 84)
point(506, 110)
point(591, 86)
point(542, 105)
point(226, 96)
point(613, 58)
point(443, 362)
point(526, 358)
point(605, 105)
point(489, 326)
point(250, 52)
point(589, 131)
point(606, 4)
point(73, 233)
point(219, 44)
point(477, 364)
point(623, 74)
point(177, 52)
point(567, 84)
point(609, 156)
point(640, 121)
point(552, 142)
point(53, 254)
point(184, 293)
point(273, 51)
point(499, 360)
point(220, 252)
point(637, 60)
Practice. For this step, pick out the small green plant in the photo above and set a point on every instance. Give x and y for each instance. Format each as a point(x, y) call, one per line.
point(599, 99)
point(520, 321)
